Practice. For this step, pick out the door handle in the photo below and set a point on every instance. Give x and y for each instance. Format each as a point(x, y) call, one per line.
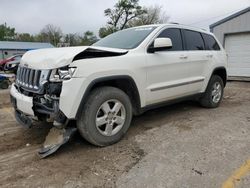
point(183, 57)
point(209, 55)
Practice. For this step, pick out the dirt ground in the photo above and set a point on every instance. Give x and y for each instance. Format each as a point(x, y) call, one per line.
point(181, 145)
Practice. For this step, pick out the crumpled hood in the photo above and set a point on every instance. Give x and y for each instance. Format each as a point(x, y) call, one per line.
point(52, 58)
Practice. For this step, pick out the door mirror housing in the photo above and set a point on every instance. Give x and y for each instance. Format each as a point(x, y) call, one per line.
point(160, 44)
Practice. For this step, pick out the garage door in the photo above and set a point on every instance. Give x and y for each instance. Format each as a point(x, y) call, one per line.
point(238, 49)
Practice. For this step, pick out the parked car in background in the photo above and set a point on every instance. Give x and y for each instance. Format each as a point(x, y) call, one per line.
point(11, 63)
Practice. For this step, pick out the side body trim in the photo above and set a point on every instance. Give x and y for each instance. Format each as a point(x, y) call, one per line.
point(193, 97)
point(177, 85)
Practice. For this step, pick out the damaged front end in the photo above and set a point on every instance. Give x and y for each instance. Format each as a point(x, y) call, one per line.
point(44, 95)
point(35, 97)
point(46, 106)
point(42, 89)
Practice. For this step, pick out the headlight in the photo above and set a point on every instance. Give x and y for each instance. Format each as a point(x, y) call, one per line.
point(61, 74)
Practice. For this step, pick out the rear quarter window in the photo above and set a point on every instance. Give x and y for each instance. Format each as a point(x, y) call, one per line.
point(210, 42)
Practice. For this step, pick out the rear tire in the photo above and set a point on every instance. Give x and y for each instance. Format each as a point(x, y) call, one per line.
point(106, 116)
point(214, 93)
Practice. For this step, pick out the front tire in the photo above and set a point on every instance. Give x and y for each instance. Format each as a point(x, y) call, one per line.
point(214, 93)
point(106, 116)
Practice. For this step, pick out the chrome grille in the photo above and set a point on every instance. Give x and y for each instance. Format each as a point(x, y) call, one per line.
point(31, 79)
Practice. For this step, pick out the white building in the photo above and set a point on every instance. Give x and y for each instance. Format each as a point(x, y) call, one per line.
point(9, 48)
point(234, 33)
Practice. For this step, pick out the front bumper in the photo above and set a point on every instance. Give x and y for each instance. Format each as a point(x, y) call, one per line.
point(36, 107)
point(26, 111)
point(23, 107)
point(39, 107)
point(21, 102)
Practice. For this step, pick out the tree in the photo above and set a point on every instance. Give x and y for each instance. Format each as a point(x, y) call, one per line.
point(88, 38)
point(51, 34)
point(72, 39)
point(153, 15)
point(25, 37)
point(105, 31)
point(6, 32)
point(123, 12)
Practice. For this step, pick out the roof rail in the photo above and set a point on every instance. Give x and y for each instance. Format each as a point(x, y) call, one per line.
point(173, 23)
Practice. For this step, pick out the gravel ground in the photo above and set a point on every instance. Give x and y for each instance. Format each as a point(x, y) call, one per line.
point(181, 145)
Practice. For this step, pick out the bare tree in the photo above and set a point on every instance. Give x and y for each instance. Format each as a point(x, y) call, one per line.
point(72, 39)
point(50, 33)
point(153, 15)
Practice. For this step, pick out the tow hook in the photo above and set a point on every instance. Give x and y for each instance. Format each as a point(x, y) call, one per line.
point(55, 139)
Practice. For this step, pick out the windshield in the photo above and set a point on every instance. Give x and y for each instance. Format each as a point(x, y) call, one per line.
point(125, 39)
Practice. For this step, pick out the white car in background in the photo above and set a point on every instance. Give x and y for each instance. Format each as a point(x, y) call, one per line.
point(102, 86)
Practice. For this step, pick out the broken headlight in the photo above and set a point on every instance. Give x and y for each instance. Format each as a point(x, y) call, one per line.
point(61, 74)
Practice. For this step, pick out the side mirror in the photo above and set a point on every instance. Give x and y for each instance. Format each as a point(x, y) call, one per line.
point(160, 44)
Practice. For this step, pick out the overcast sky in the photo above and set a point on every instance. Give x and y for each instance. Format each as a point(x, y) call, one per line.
point(77, 16)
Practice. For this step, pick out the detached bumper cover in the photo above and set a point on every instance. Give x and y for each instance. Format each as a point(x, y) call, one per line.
point(55, 139)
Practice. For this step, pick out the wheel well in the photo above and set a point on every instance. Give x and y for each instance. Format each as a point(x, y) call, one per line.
point(125, 83)
point(222, 73)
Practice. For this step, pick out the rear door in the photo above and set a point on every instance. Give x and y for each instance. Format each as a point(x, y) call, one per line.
point(214, 53)
point(199, 58)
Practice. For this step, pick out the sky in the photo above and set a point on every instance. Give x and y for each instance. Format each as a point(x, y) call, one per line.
point(77, 16)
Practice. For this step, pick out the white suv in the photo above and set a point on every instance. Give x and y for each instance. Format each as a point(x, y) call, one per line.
point(102, 86)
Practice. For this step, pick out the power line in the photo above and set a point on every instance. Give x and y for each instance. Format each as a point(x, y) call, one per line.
point(215, 17)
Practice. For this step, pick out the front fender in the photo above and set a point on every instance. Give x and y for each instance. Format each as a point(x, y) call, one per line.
point(76, 90)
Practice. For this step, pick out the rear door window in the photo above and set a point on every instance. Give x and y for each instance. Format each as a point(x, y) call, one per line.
point(175, 35)
point(193, 40)
point(210, 42)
